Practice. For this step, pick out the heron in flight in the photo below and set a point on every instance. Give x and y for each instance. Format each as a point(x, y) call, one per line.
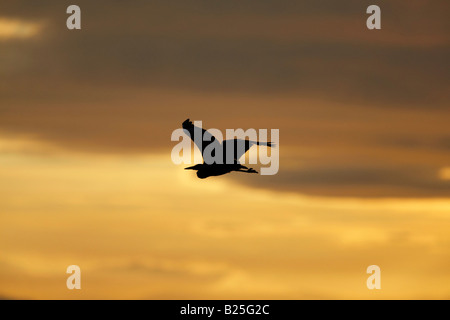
point(240, 147)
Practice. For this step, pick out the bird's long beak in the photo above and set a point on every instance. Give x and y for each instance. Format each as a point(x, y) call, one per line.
point(190, 168)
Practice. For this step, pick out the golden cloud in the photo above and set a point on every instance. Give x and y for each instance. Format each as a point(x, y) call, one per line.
point(18, 29)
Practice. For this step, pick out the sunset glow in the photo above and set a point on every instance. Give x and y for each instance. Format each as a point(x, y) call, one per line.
point(87, 179)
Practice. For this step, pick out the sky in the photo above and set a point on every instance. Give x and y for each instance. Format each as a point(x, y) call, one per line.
point(86, 176)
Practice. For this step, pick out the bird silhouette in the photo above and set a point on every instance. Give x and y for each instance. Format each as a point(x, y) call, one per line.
point(230, 160)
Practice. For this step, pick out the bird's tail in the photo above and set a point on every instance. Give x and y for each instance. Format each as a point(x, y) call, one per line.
point(268, 144)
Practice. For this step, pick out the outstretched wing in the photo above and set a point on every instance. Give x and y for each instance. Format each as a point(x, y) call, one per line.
point(241, 146)
point(201, 137)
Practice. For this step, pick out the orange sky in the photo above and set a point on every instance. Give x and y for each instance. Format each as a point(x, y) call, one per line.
point(86, 176)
